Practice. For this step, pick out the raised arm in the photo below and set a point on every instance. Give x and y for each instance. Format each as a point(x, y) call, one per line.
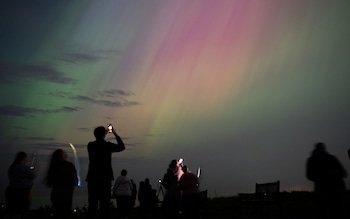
point(120, 144)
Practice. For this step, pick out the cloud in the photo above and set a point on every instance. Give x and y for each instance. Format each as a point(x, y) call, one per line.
point(84, 129)
point(109, 52)
point(40, 139)
point(109, 98)
point(20, 111)
point(88, 57)
point(62, 109)
point(98, 102)
point(109, 103)
point(55, 145)
point(76, 58)
point(60, 94)
point(13, 71)
point(114, 93)
point(121, 94)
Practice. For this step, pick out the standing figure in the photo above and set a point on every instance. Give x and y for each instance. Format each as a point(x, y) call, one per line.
point(141, 198)
point(189, 186)
point(133, 193)
point(170, 182)
point(123, 191)
point(146, 206)
point(100, 172)
point(327, 173)
point(62, 178)
point(18, 192)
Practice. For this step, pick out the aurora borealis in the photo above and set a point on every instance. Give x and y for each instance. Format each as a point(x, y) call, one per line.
point(242, 88)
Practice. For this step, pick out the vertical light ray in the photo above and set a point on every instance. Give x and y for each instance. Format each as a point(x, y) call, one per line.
point(32, 164)
point(198, 172)
point(76, 161)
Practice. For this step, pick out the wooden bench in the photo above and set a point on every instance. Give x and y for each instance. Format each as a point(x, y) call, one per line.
point(266, 194)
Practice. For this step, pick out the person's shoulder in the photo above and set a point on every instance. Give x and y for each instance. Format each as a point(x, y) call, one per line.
point(120, 177)
point(91, 143)
point(96, 143)
point(334, 158)
point(68, 163)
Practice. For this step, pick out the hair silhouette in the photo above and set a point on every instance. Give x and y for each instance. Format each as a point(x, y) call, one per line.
point(56, 159)
point(19, 158)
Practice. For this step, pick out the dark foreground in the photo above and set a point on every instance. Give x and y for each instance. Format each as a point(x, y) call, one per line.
point(294, 205)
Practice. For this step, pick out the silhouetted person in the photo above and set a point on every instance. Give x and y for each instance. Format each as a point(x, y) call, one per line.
point(18, 192)
point(327, 173)
point(171, 202)
point(189, 186)
point(62, 178)
point(100, 173)
point(146, 205)
point(133, 193)
point(123, 191)
point(140, 197)
point(153, 203)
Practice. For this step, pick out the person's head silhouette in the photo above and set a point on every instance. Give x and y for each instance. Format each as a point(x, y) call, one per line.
point(320, 146)
point(123, 172)
point(100, 132)
point(59, 155)
point(21, 157)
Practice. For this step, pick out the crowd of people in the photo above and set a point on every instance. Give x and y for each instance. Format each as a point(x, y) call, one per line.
point(182, 194)
point(180, 184)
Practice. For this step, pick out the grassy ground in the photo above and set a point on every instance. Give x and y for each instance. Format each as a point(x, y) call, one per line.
point(294, 205)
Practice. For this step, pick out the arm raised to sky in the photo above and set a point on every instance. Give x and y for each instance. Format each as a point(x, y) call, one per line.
point(120, 144)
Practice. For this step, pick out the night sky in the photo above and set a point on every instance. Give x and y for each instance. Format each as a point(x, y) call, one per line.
point(241, 88)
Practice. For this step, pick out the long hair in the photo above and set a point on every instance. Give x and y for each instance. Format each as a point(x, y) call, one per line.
point(19, 157)
point(56, 160)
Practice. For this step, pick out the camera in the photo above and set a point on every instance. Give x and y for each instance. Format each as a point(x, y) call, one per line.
point(110, 127)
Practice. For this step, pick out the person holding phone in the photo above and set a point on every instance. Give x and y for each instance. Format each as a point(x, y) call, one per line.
point(100, 172)
point(190, 194)
point(18, 192)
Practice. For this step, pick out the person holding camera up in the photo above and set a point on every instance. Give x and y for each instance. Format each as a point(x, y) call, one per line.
point(100, 172)
point(170, 182)
point(18, 192)
point(189, 186)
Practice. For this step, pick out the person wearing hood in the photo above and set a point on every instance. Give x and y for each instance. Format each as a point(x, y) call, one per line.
point(327, 173)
